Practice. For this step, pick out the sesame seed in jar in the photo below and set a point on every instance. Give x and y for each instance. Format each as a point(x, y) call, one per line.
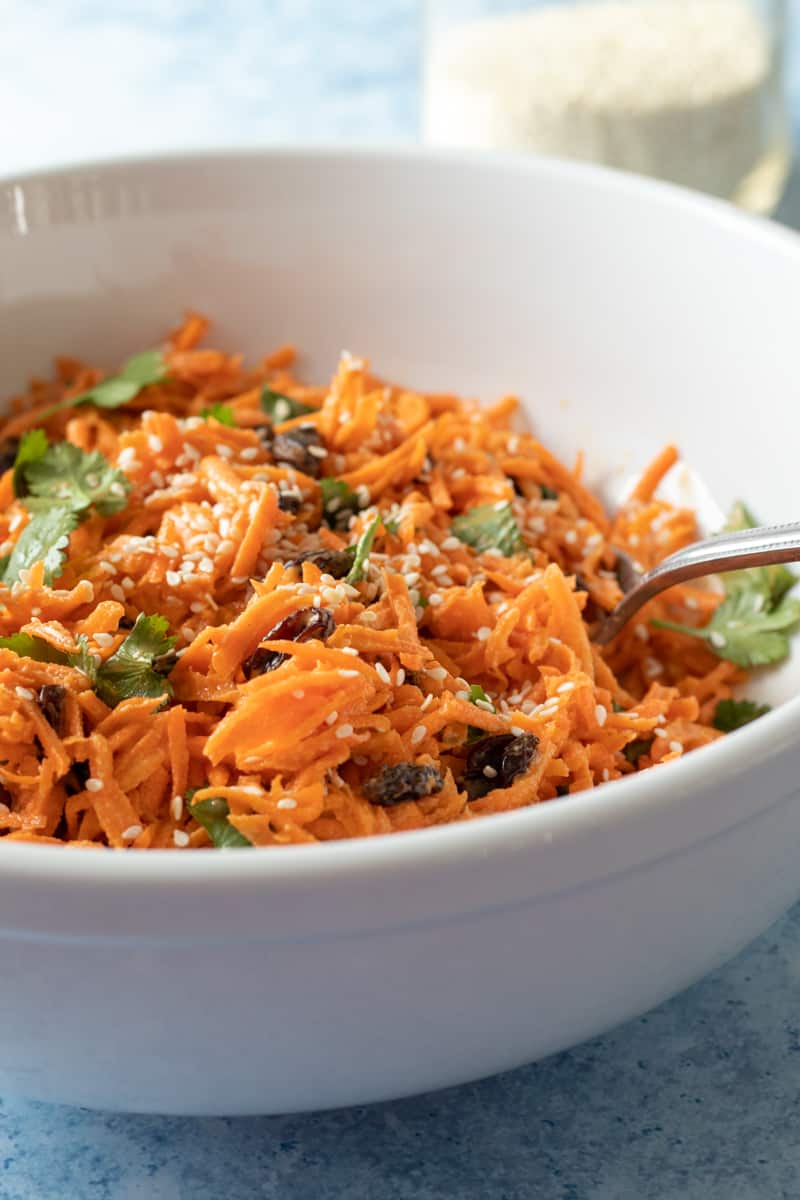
point(484, 633)
point(286, 802)
point(176, 807)
point(131, 832)
point(344, 731)
point(94, 785)
point(180, 838)
point(418, 734)
point(600, 714)
point(24, 693)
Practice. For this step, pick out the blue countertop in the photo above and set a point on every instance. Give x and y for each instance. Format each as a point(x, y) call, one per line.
point(700, 1099)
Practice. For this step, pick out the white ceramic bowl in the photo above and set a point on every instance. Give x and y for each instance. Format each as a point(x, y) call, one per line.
point(625, 313)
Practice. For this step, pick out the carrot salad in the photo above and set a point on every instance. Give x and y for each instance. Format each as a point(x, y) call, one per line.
point(237, 610)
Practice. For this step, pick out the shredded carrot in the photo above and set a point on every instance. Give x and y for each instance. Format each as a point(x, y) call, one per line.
point(345, 663)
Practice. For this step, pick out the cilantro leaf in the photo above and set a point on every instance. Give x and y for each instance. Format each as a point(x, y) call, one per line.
point(137, 373)
point(32, 447)
point(280, 407)
point(774, 581)
point(133, 668)
point(212, 814)
point(339, 502)
point(744, 631)
point(488, 526)
point(733, 714)
point(362, 549)
point(68, 476)
point(44, 539)
point(28, 646)
point(220, 412)
point(477, 693)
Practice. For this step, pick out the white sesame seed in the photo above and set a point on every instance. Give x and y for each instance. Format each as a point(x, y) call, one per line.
point(174, 578)
point(513, 444)
point(489, 772)
point(350, 650)
point(318, 451)
point(196, 606)
point(606, 775)
point(676, 747)
point(131, 832)
point(435, 599)
point(346, 674)
point(691, 602)
point(451, 543)
point(176, 807)
point(566, 687)
point(127, 583)
point(24, 693)
point(249, 453)
point(344, 731)
point(155, 443)
point(437, 673)
point(94, 785)
point(180, 838)
point(418, 734)
point(600, 714)
point(299, 694)
point(104, 640)
point(717, 639)
point(484, 633)
point(570, 537)
point(642, 632)
point(223, 451)
point(517, 730)
point(286, 802)
point(400, 677)
point(660, 733)
point(332, 718)
point(382, 673)
point(107, 567)
point(426, 702)
point(486, 705)
point(206, 566)
point(117, 592)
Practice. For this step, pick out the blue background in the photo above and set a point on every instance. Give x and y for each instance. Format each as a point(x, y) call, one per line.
point(700, 1099)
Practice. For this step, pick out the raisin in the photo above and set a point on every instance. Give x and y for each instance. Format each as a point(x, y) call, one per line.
point(294, 449)
point(299, 626)
point(289, 502)
point(51, 702)
point(496, 761)
point(8, 453)
point(330, 562)
point(404, 781)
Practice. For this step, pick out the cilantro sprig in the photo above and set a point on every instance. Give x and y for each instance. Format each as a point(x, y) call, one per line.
point(134, 375)
point(138, 667)
point(213, 815)
point(339, 502)
point(733, 714)
point(58, 485)
point(476, 695)
point(220, 412)
point(361, 551)
point(751, 626)
point(279, 407)
point(490, 526)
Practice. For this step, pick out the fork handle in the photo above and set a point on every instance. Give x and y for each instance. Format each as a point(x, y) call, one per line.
point(761, 547)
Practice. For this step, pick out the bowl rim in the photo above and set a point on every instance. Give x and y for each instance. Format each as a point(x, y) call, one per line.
point(567, 818)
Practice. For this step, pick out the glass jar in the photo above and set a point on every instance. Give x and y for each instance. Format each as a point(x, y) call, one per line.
point(691, 91)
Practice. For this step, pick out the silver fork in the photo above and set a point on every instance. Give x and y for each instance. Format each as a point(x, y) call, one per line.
point(762, 547)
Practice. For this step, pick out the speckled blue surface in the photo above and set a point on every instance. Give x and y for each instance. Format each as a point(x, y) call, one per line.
point(700, 1100)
